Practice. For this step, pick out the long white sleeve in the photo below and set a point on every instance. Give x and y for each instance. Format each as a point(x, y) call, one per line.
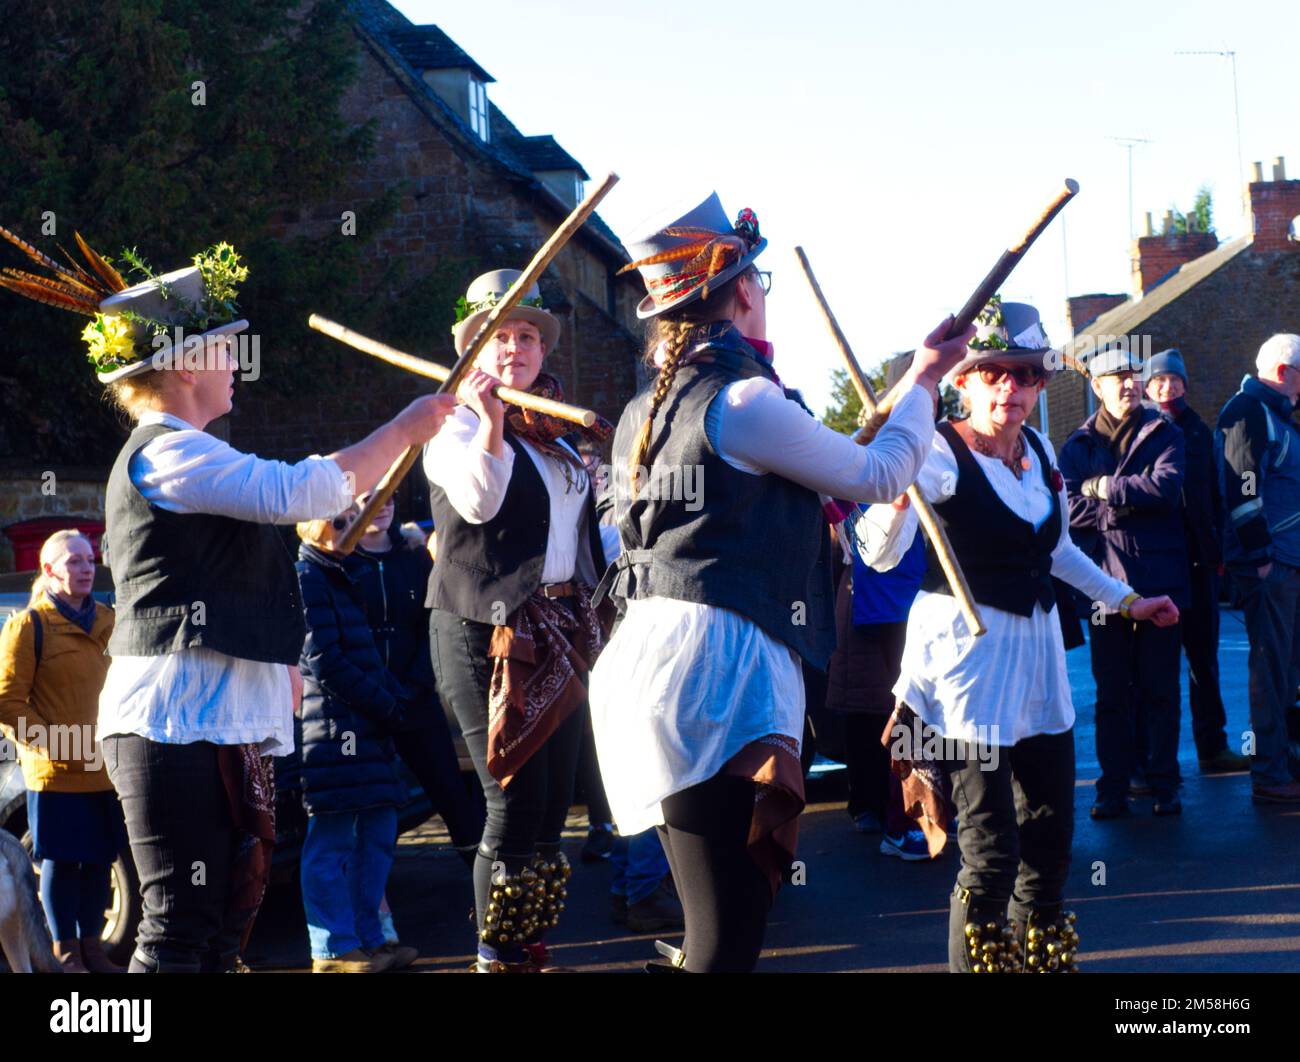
point(760, 430)
point(190, 471)
point(884, 534)
point(475, 481)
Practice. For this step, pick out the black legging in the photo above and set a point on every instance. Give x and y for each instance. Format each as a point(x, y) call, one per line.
point(725, 896)
point(527, 816)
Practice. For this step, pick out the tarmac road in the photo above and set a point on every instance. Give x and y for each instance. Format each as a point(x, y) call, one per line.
point(1214, 890)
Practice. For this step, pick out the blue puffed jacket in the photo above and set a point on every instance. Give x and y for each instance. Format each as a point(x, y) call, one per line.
point(351, 702)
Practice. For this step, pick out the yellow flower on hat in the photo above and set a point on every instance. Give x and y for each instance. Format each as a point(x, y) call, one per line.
point(110, 341)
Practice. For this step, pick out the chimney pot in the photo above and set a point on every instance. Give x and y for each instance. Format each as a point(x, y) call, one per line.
point(1147, 228)
point(1256, 172)
point(1169, 222)
point(1279, 168)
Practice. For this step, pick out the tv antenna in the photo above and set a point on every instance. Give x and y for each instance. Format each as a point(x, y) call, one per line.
point(1231, 56)
point(1129, 142)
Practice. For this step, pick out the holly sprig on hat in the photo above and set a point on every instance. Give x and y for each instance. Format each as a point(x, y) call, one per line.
point(465, 308)
point(113, 341)
point(990, 317)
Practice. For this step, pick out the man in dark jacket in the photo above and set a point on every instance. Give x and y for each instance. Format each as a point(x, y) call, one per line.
point(351, 705)
point(1258, 449)
point(1203, 525)
point(1124, 471)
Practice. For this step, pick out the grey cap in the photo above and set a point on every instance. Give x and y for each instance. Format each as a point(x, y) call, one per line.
point(1112, 361)
point(1167, 361)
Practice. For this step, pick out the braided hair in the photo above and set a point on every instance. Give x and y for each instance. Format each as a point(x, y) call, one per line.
point(673, 331)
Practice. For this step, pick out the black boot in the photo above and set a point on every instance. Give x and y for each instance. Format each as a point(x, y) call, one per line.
point(980, 939)
point(1051, 942)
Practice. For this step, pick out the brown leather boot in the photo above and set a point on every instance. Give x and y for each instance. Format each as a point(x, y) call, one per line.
point(95, 959)
point(68, 955)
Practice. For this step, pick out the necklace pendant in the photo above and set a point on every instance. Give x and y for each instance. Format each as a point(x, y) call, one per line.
point(1024, 463)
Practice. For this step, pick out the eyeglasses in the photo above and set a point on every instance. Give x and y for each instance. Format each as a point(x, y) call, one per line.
point(1024, 375)
point(764, 279)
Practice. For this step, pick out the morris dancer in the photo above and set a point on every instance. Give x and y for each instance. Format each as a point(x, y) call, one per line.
point(1001, 702)
point(698, 701)
point(513, 632)
point(201, 688)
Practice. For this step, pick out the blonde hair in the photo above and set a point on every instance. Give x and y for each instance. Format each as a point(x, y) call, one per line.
point(137, 395)
point(51, 549)
point(323, 533)
point(673, 331)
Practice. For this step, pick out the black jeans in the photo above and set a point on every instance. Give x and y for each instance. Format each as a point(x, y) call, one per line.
point(589, 780)
point(528, 815)
point(724, 895)
point(429, 753)
point(1136, 668)
point(1016, 827)
point(183, 844)
point(1200, 627)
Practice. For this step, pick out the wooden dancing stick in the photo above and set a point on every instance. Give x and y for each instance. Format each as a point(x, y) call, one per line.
point(925, 512)
point(434, 371)
point(987, 289)
point(388, 485)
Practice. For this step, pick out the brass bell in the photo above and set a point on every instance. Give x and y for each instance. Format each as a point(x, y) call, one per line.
point(971, 929)
point(976, 968)
point(1033, 960)
point(1053, 963)
point(990, 927)
point(1071, 917)
point(1035, 935)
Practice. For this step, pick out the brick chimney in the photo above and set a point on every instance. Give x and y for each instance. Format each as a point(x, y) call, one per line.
point(1273, 206)
point(1082, 310)
point(1156, 257)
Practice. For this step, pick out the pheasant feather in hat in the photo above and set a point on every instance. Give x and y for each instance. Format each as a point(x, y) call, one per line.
point(134, 327)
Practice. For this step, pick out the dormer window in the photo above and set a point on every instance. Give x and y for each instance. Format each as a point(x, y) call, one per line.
point(478, 108)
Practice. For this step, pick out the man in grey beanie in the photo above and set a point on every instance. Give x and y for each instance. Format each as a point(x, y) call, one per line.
point(1202, 507)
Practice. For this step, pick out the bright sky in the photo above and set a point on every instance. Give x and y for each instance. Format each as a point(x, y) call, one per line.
point(903, 146)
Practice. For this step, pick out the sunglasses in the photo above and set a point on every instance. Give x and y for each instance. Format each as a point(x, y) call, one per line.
point(1024, 375)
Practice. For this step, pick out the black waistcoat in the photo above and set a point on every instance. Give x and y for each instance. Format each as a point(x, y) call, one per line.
point(196, 579)
point(485, 571)
point(1007, 563)
point(757, 545)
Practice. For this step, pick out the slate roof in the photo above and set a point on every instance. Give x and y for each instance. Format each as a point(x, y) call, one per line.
point(1128, 317)
point(428, 48)
point(543, 153)
point(401, 41)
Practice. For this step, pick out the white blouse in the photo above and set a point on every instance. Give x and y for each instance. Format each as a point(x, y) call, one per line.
point(199, 694)
point(1011, 682)
point(476, 482)
point(682, 687)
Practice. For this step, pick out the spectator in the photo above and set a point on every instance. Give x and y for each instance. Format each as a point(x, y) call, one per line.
point(871, 615)
point(392, 582)
point(1258, 449)
point(52, 666)
point(1203, 528)
point(642, 894)
point(351, 706)
point(1124, 470)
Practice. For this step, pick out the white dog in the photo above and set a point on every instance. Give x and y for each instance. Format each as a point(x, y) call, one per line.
point(24, 936)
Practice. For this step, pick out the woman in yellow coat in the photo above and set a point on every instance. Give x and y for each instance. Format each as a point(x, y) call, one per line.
point(52, 665)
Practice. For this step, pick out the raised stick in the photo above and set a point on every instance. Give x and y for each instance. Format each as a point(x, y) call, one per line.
point(988, 287)
point(924, 511)
point(434, 371)
point(388, 485)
